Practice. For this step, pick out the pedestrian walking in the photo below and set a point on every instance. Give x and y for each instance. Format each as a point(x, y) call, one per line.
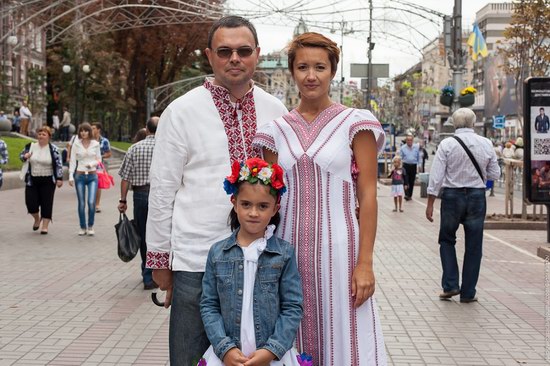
point(461, 167)
point(135, 174)
point(85, 155)
point(410, 155)
point(65, 125)
point(140, 135)
point(16, 123)
point(398, 187)
point(3, 159)
point(105, 150)
point(187, 213)
point(329, 153)
point(44, 171)
point(424, 156)
point(255, 188)
point(26, 116)
point(55, 124)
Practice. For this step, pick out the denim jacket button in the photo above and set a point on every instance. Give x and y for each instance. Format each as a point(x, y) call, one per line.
point(240, 292)
point(240, 266)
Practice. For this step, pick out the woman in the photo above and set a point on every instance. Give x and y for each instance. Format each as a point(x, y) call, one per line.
point(85, 155)
point(329, 154)
point(44, 172)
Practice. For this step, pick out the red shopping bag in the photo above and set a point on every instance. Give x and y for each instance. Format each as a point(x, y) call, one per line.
point(104, 179)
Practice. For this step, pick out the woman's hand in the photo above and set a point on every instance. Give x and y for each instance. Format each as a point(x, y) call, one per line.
point(27, 156)
point(71, 183)
point(260, 357)
point(59, 183)
point(234, 357)
point(362, 284)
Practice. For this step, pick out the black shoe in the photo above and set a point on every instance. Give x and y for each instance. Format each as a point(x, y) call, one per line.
point(150, 286)
point(466, 301)
point(448, 295)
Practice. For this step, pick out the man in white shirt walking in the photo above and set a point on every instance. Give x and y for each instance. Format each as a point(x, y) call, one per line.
point(462, 202)
point(198, 136)
point(26, 116)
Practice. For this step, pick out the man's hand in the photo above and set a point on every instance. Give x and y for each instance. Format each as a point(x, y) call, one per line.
point(59, 183)
point(163, 278)
point(430, 212)
point(122, 207)
point(362, 284)
point(260, 357)
point(234, 357)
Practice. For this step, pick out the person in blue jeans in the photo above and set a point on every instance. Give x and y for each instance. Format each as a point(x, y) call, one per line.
point(85, 155)
point(251, 302)
point(462, 202)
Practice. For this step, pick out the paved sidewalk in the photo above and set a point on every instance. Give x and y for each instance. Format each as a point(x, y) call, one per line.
point(69, 300)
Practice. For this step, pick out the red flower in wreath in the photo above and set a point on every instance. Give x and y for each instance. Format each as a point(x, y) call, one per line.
point(277, 177)
point(235, 169)
point(255, 165)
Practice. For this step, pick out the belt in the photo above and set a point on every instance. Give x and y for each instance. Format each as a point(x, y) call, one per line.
point(85, 173)
point(141, 188)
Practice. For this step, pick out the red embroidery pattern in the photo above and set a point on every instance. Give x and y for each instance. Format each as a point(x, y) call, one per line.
point(373, 126)
point(157, 260)
point(307, 132)
point(331, 274)
point(308, 251)
point(263, 140)
point(346, 189)
point(239, 133)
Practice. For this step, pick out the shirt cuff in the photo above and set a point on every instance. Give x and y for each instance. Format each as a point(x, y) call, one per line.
point(158, 260)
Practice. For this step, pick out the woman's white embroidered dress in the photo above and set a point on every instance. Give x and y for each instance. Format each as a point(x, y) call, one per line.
point(318, 216)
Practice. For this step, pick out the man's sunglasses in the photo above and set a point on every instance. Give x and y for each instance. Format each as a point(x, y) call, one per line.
point(226, 52)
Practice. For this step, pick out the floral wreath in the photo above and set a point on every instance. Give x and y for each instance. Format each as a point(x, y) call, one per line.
point(253, 171)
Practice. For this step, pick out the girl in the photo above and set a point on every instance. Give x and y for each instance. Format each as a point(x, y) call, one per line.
point(251, 322)
point(397, 176)
point(85, 154)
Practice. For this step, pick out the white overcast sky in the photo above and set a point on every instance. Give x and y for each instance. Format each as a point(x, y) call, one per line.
point(394, 31)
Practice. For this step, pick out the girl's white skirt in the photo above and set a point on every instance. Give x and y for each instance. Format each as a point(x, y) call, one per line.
point(397, 190)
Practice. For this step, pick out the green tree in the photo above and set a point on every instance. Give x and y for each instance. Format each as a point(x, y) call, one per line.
point(526, 48)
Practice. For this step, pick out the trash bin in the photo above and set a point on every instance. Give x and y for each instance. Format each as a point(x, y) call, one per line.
point(424, 179)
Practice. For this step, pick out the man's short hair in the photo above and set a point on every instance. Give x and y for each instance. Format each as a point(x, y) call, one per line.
point(151, 124)
point(464, 118)
point(231, 21)
point(541, 109)
point(98, 125)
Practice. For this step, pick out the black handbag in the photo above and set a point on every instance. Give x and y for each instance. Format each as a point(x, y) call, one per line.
point(128, 238)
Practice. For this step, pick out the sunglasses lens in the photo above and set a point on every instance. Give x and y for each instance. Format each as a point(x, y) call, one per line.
point(224, 52)
point(244, 51)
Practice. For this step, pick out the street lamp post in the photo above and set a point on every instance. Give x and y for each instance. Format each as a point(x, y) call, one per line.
point(86, 69)
point(343, 32)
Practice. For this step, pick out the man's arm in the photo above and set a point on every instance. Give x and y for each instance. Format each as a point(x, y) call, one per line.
point(123, 203)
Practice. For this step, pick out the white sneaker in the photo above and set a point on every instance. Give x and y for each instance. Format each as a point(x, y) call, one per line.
point(91, 231)
point(82, 232)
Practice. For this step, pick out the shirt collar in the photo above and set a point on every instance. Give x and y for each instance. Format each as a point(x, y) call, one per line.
point(221, 92)
point(464, 130)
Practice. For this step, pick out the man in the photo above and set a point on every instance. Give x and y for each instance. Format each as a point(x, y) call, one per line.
point(462, 202)
point(26, 115)
point(105, 149)
point(65, 125)
point(199, 135)
point(135, 172)
point(410, 156)
point(542, 124)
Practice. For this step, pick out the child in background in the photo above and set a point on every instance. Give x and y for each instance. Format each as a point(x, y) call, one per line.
point(251, 322)
point(397, 176)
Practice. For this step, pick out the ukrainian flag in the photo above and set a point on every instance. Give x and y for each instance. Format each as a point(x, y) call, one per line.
point(477, 44)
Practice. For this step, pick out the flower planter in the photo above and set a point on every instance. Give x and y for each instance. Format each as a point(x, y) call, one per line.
point(446, 100)
point(466, 100)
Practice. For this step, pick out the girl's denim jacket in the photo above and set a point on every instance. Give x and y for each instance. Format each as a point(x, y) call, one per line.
point(277, 296)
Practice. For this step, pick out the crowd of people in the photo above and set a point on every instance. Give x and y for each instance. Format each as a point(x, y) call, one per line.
point(285, 264)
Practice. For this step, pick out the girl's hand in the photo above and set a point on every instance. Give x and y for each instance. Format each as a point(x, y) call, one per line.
point(27, 155)
point(234, 357)
point(260, 357)
point(362, 284)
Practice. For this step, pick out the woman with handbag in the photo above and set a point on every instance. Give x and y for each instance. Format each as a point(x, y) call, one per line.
point(42, 172)
point(85, 156)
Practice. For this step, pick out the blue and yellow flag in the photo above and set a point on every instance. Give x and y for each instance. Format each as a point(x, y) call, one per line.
point(477, 44)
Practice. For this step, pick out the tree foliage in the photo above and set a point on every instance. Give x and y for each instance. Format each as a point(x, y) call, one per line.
point(526, 48)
